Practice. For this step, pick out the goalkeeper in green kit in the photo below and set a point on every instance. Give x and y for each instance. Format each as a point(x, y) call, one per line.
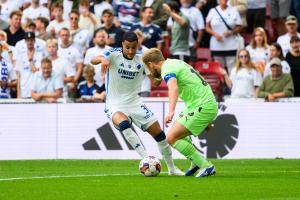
point(184, 82)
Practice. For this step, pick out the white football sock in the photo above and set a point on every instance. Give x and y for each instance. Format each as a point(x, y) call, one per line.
point(134, 141)
point(166, 152)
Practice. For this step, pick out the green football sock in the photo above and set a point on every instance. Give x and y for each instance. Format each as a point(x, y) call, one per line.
point(186, 148)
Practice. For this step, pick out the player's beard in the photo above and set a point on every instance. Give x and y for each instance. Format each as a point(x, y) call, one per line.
point(156, 73)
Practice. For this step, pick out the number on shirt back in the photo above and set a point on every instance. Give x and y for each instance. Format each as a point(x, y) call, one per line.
point(199, 76)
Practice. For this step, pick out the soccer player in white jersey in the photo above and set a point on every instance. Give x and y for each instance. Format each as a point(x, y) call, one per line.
point(124, 75)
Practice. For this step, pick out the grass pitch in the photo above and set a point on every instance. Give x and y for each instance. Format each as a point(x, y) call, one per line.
point(120, 179)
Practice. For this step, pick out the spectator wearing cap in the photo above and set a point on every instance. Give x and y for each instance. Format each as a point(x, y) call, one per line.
point(277, 85)
point(291, 25)
point(39, 44)
point(33, 11)
point(46, 84)
point(293, 58)
point(14, 32)
point(41, 25)
point(115, 34)
point(88, 90)
point(27, 63)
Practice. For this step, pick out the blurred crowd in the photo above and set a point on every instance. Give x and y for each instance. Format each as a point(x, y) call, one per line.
point(46, 46)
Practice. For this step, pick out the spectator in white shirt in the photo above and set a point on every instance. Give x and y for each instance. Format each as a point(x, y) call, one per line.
point(100, 38)
point(41, 25)
point(80, 37)
point(39, 44)
point(7, 6)
point(291, 25)
point(27, 63)
point(87, 19)
point(58, 22)
point(60, 65)
point(34, 11)
point(259, 49)
point(244, 79)
point(47, 85)
point(276, 52)
point(223, 43)
point(8, 78)
point(69, 52)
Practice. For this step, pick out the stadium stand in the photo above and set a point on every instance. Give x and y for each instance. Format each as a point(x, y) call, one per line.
point(211, 71)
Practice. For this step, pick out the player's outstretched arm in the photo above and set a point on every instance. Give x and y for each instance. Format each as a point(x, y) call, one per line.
point(173, 97)
point(97, 60)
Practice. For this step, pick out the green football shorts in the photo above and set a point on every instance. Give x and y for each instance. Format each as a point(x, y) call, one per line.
point(198, 118)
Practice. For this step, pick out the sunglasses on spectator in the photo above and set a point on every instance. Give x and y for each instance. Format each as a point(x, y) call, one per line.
point(243, 56)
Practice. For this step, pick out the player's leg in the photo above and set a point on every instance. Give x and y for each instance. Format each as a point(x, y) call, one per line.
point(164, 148)
point(177, 138)
point(192, 122)
point(124, 125)
point(143, 117)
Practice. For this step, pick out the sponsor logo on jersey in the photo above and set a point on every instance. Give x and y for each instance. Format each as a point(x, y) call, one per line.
point(127, 74)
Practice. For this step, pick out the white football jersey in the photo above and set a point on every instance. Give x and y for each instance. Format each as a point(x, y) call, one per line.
point(123, 78)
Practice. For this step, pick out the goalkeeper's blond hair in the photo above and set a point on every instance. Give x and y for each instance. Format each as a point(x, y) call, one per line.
point(152, 55)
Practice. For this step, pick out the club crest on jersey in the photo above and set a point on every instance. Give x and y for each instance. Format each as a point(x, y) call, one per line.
point(138, 66)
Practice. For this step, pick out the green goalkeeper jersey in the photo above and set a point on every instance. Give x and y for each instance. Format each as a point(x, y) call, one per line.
point(192, 87)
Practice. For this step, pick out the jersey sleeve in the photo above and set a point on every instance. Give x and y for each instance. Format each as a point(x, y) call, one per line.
point(169, 71)
point(110, 54)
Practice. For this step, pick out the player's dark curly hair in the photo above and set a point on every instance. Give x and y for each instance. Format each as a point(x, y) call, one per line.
point(130, 37)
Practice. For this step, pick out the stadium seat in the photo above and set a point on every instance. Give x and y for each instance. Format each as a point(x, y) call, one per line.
point(212, 72)
point(204, 54)
point(159, 93)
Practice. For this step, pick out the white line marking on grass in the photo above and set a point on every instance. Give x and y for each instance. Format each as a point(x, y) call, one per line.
point(67, 176)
